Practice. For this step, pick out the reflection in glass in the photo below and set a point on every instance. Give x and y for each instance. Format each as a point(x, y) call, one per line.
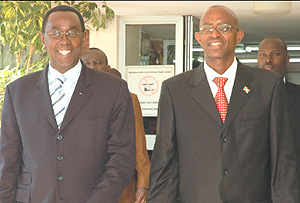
point(150, 125)
point(150, 45)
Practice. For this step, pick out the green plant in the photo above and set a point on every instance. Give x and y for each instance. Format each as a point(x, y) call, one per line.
point(20, 27)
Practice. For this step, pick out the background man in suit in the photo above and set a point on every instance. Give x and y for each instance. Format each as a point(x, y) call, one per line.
point(115, 72)
point(240, 154)
point(273, 56)
point(90, 155)
point(95, 58)
point(137, 190)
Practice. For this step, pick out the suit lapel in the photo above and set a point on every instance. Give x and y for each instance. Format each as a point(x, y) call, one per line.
point(290, 92)
point(42, 97)
point(80, 96)
point(202, 94)
point(239, 92)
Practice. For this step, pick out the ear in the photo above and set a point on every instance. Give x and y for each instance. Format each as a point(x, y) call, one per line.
point(197, 37)
point(239, 36)
point(108, 68)
point(85, 38)
point(43, 38)
point(287, 60)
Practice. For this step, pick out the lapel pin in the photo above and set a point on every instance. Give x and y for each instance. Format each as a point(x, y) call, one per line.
point(246, 89)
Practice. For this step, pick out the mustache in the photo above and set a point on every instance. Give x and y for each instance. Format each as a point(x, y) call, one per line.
point(215, 39)
point(268, 64)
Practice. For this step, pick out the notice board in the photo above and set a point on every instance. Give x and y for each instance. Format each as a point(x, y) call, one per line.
point(145, 82)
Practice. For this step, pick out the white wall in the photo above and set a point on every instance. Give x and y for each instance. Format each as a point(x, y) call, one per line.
point(107, 40)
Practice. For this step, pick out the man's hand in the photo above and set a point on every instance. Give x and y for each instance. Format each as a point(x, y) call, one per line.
point(141, 195)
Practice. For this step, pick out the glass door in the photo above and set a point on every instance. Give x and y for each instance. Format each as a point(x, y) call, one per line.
point(151, 50)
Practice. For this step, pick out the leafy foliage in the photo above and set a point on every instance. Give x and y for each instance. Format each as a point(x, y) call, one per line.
point(20, 27)
point(8, 75)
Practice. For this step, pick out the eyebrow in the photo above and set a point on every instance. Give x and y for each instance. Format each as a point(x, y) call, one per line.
point(220, 23)
point(98, 60)
point(276, 50)
point(271, 50)
point(58, 27)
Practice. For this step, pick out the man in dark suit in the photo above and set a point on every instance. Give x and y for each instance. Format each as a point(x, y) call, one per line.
point(137, 190)
point(240, 153)
point(90, 155)
point(273, 56)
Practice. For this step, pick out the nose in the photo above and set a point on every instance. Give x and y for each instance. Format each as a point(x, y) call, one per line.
point(65, 38)
point(215, 33)
point(269, 58)
point(93, 66)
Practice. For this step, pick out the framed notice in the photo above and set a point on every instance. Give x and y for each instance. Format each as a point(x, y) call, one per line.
point(145, 82)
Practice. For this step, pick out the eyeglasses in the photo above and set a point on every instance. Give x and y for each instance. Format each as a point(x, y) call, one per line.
point(222, 28)
point(58, 35)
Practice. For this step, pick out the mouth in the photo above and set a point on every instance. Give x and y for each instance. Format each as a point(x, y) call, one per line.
point(215, 44)
point(64, 52)
point(268, 67)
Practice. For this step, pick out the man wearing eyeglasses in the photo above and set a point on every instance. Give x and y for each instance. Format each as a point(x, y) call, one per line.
point(222, 133)
point(68, 132)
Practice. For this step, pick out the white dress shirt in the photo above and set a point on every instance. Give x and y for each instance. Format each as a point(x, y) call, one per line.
point(230, 74)
point(71, 75)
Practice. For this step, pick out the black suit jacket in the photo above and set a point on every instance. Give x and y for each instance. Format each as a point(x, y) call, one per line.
point(293, 101)
point(89, 159)
point(250, 158)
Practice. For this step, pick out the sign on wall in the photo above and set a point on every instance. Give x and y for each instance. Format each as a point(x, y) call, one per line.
point(145, 82)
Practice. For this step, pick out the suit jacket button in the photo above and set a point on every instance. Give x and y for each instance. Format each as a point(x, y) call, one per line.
point(225, 172)
point(60, 158)
point(59, 137)
point(60, 178)
point(224, 139)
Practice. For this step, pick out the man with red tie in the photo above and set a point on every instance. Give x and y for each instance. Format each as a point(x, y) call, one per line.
point(222, 129)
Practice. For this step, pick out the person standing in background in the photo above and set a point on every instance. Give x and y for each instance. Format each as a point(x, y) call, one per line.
point(137, 190)
point(61, 139)
point(273, 56)
point(96, 59)
point(222, 132)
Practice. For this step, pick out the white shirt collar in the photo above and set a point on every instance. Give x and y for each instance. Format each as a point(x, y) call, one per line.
point(71, 75)
point(229, 73)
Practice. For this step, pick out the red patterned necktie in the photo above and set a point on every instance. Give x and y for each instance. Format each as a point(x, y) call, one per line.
point(220, 98)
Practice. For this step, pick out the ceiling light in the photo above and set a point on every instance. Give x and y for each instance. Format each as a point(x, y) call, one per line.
point(295, 60)
point(293, 48)
point(240, 51)
point(251, 48)
point(272, 8)
point(248, 60)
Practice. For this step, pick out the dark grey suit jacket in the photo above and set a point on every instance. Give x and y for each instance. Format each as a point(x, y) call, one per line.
point(249, 159)
point(293, 101)
point(89, 159)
